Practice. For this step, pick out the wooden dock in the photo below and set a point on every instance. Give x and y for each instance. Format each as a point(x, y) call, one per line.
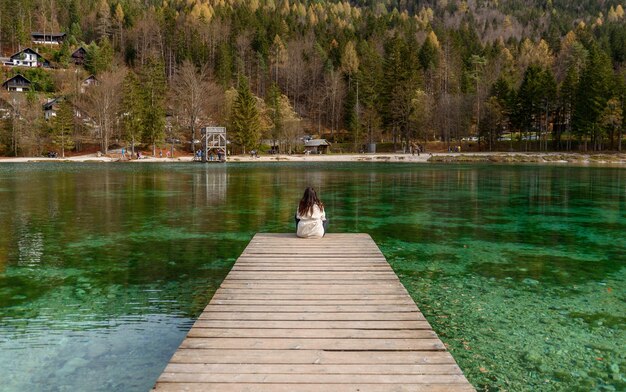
point(312, 315)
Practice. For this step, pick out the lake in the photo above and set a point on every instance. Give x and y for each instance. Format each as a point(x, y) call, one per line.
point(521, 270)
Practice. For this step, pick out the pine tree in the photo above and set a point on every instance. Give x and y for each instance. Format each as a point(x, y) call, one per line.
point(611, 119)
point(153, 83)
point(350, 68)
point(594, 90)
point(370, 76)
point(275, 113)
point(534, 98)
point(245, 121)
point(99, 57)
point(428, 55)
point(567, 98)
point(503, 104)
point(224, 64)
point(394, 78)
point(132, 109)
point(63, 127)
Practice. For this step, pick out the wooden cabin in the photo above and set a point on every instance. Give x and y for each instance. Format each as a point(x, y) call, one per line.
point(78, 57)
point(316, 146)
point(17, 83)
point(47, 38)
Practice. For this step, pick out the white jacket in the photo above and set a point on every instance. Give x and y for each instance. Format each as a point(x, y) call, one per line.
point(311, 224)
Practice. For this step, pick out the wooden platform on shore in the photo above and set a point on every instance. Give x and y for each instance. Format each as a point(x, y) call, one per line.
point(312, 315)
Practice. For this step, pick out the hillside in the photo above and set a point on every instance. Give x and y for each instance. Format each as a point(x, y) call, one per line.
point(515, 74)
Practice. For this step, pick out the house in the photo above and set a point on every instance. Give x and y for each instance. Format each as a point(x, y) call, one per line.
point(316, 146)
point(5, 109)
point(51, 107)
point(47, 38)
point(78, 57)
point(90, 81)
point(28, 58)
point(17, 83)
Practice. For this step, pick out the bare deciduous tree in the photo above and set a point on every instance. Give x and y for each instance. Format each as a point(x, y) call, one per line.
point(193, 96)
point(104, 99)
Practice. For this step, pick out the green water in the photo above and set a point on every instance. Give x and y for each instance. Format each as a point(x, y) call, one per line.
point(520, 269)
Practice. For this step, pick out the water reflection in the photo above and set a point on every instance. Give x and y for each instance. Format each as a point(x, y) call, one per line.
point(126, 255)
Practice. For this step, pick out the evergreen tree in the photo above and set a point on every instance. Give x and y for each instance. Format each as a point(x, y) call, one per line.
point(63, 127)
point(567, 101)
point(224, 64)
point(275, 113)
point(245, 121)
point(153, 119)
point(594, 90)
point(370, 77)
point(611, 120)
point(428, 55)
point(394, 78)
point(536, 94)
point(132, 109)
point(99, 58)
point(502, 106)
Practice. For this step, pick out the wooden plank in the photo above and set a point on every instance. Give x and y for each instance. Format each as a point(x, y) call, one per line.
point(198, 332)
point(250, 289)
point(311, 259)
point(300, 302)
point(314, 378)
point(312, 315)
point(315, 344)
point(363, 325)
point(311, 368)
point(311, 357)
point(309, 267)
point(312, 308)
point(316, 286)
point(367, 316)
point(319, 282)
point(301, 387)
point(236, 295)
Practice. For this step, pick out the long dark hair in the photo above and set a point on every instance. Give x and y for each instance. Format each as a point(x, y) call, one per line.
point(308, 201)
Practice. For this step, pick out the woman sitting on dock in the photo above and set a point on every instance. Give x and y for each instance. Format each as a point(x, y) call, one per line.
point(310, 216)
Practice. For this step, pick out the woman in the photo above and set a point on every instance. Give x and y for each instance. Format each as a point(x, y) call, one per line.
point(310, 216)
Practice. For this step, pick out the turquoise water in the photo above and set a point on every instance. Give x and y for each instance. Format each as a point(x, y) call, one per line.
point(520, 269)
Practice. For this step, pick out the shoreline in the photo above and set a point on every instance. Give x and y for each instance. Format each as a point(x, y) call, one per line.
point(481, 157)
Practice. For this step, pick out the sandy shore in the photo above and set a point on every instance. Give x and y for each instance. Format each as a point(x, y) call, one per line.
point(486, 157)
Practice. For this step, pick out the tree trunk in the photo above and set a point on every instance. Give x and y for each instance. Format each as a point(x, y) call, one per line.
point(612, 139)
point(193, 136)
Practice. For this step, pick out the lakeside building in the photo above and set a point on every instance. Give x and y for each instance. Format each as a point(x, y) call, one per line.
point(47, 38)
point(316, 146)
point(28, 58)
point(17, 83)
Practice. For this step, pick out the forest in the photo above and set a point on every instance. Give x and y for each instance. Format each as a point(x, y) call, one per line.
point(507, 74)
